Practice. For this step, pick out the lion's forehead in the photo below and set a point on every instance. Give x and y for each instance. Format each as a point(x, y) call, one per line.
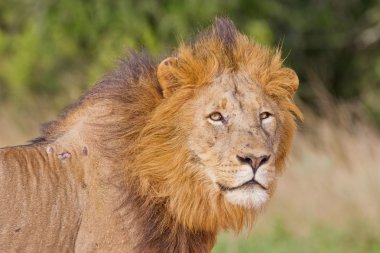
point(234, 92)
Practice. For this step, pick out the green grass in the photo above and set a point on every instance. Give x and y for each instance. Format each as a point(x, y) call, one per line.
point(320, 239)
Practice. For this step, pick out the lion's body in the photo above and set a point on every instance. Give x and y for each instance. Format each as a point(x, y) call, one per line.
point(49, 204)
point(135, 167)
point(37, 198)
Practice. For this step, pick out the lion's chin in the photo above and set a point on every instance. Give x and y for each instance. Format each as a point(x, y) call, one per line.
point(253, 197)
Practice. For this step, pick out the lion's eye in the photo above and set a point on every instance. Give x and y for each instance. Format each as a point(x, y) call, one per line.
point(216, 116)
point(265, 115)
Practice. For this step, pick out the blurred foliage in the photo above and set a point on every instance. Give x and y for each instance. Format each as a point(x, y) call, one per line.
point(55, 49)
point(326, 239)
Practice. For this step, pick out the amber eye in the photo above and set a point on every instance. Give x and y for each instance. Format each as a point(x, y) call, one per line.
point(265, 115)
point(216, 116)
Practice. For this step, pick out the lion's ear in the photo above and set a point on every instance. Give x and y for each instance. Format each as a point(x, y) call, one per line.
point(292, 80)
point(165, 76)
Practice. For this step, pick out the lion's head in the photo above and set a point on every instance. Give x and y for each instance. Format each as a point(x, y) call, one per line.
point(214, 145)
point(235, 138)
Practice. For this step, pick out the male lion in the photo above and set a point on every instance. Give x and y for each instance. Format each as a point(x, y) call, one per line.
point(155, 158)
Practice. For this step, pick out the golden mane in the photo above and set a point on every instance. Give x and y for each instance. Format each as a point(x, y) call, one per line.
point(161, 154)
point(134, 125)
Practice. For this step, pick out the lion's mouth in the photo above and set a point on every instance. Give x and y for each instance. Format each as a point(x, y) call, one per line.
point(249, 183)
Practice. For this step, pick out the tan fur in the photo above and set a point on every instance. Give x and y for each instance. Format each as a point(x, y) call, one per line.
point(136, 165)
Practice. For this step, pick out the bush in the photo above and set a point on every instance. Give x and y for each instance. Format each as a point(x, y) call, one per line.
point(51, 48)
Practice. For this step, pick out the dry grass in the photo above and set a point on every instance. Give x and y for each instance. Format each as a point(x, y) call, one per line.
point(14, 131)
point(17, 126)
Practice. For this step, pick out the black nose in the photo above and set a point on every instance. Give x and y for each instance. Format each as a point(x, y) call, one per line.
point(253, 161)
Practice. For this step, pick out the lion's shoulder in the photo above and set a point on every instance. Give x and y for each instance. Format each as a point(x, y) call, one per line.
point(30, 165)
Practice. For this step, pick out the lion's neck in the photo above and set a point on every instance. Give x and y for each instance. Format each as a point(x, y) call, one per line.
point(118, 219)
point(155, 230)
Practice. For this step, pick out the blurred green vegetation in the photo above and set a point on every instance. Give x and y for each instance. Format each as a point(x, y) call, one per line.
point(56, 49)
point(320, 239)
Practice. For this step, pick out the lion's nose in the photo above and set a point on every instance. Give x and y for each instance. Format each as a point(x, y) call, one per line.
point(253, 161)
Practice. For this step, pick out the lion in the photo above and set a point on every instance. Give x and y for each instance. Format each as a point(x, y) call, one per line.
point(156, 157)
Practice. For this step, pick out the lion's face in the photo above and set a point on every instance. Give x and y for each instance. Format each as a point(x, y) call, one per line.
point(235, 137)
